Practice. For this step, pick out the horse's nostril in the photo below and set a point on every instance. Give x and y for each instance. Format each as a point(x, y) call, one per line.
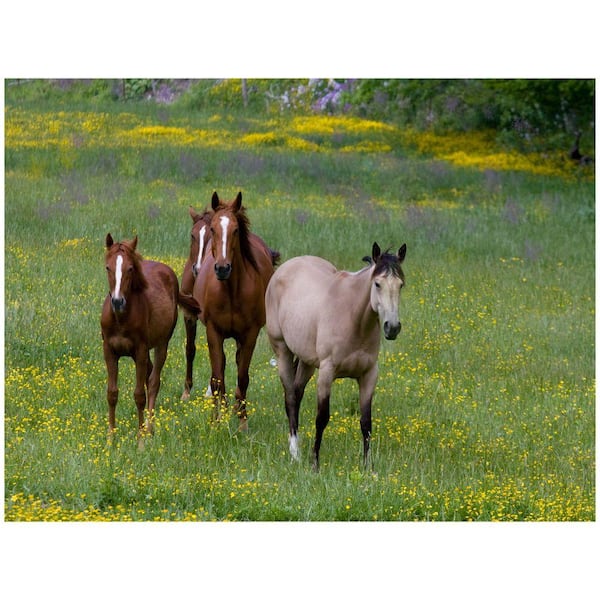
point(391, 330)
point(118, 304)
point(222, 272)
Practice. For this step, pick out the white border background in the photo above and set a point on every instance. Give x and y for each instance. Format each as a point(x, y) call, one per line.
point(298, 39)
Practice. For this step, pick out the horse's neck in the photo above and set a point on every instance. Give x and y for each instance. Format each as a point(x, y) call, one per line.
point(357, 286)
point(240, 267)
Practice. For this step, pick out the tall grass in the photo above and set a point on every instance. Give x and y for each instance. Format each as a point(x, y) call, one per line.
point(484, 408)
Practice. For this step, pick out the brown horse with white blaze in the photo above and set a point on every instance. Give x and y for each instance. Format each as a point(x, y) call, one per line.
point(139, 314)
point(230, 290)
point(199, 250)
point(322, 318)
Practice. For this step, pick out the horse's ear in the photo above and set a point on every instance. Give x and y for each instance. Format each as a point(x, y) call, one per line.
point(376, 252)
point(109, 241)
point(402, 253)
point(215, 201)
point(134, 243)
point(195, 216)
point(237, 203)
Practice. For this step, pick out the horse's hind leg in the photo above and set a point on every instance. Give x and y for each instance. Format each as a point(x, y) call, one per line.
point(303, 373)
point(326, 376)
point(287, 374)
point(190, 353)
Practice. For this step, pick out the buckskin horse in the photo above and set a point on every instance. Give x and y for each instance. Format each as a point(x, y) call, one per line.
point(322, 318)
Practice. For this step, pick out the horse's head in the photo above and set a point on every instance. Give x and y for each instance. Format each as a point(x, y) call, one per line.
point(387, 280)
point(199, 238)
point(228, 219)
point(124, 271)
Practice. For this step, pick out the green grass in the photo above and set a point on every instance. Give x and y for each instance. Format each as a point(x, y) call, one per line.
point(484, 408)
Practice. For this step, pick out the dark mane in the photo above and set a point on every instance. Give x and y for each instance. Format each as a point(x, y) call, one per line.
point(244, 236)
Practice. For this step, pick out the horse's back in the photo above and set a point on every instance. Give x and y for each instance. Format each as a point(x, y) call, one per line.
point(294, 300)
point(301, 276)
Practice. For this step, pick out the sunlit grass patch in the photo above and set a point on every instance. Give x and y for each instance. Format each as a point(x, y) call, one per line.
point(480, 150)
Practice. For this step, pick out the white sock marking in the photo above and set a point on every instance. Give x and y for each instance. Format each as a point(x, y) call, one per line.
point(224, 224)
point(294, 447)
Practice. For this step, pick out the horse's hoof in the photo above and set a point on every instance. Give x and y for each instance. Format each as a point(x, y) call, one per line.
point(243, 427)
point(185, 395)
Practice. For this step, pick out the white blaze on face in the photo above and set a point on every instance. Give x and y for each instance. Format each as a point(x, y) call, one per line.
point(201, 249)
point(118, 277)
point(224, 225)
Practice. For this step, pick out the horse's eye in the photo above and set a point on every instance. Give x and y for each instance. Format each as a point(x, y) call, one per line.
point(107, 268)
point(377, 285)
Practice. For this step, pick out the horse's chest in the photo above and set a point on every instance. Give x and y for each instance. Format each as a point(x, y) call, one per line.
point(122, 338)
point(121, 345)
point(232, 314)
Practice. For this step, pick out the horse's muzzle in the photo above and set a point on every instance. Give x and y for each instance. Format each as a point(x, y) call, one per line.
point(223, 271)
point(391, 330)
point(118, 304)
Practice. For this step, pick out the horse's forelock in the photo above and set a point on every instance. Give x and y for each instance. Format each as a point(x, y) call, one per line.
point(389, 263)
point(243, 230)
point(139, 280)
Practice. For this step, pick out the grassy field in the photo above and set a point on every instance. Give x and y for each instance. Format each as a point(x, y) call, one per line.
point(485, 406)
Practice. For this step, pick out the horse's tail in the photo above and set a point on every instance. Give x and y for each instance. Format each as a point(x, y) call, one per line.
point(275, 256)
point(189, 303)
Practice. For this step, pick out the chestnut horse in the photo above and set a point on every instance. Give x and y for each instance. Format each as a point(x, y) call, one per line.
point(230, 289)
point(322, 318)
point(139, 314)
point(199, 249)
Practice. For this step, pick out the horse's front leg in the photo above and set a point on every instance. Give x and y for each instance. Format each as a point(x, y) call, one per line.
point(112, 390)
point(141, 358)
point(191, 323)
point(366, 386)
point(217, 364)
point(160, 356)
point(285, 367)
point(243, 356)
